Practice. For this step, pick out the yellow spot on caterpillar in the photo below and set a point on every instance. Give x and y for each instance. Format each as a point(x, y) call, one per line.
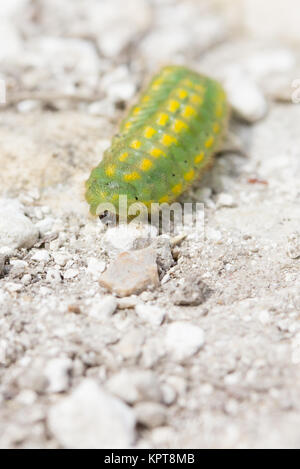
point(167, 140)
point(162, 118)
point(189, 83)
point(146, 164)
point(131, 176)
point(189, 111)
point(216, 128)
point(181, 93)
point(189, 175)
point(149, 132)
point(157, 84)
point(136, 144)
point(199, 157)
point(177, 189)
point(103, 194)
point(157, 152)
point(164, 199)
point(209, 142)
point(136, 111)
point(173, 105)
point(146, 99)
point(199, 88)
point(196, 99)
point(178, 126)
point(110, 170)
point(124, 156)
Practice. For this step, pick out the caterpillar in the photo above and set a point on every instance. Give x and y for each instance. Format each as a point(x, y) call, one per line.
point(168, 138)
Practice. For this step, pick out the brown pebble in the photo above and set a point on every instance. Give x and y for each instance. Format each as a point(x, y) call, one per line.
point(74, 309)
point(131, 273)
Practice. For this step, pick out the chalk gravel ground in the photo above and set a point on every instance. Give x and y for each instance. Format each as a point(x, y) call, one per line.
point(209, 355)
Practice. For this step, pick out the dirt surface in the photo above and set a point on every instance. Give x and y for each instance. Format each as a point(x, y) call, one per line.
point(209, 358)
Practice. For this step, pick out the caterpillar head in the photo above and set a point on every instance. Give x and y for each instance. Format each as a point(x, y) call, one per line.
point(104, 195)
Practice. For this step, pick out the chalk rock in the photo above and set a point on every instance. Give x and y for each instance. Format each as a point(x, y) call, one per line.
point(135, 385)
point(149, 313)
point(131, 272)
point(90, 418)
point(129, 237)
point(16, 230)
point(245, 96)
point(182, 339)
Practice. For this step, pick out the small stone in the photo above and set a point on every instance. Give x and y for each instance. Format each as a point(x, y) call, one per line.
point(127, 302)
point(90, 418)
point(106, 306)
point(16, 230)
point(45, 226)
point(131, 344)
point(129, 237)
point(131, 272)
point(28, 105)
point(191, 292)
point(18, 268)
point(264, 317)
point(95, 267)
point(74, 309)
point(169, 394)
point(121, 91)
point(225, 200)
point(53, 276)
point(3, 260)
point(13, 287)
point(71, 273)
point(151, 314)
point(135, 385)
point(164, 257)
point(150, 414)
point(26, 279)
point(245, 96)
point(60, 259)
point(183, 340)
point(57, 372)
point(293, 246)
point(41, 255)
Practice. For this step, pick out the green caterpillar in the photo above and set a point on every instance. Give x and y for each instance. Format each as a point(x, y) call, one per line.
point(166, 141)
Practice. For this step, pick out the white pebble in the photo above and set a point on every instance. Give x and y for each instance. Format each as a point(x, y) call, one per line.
point(128, 237)
point(16, 230)
point(60, 259)
point(106, 306)
point(225, 200)
point(95, 266)
point(151, 314)
point(13, 287)
point(57, 372)
point(245, 96)
point(182, 339)
point(71, 273)
point(41, 255)
point(45, 226)
point(135, 385)
point(53, 276)
point(90, 418)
